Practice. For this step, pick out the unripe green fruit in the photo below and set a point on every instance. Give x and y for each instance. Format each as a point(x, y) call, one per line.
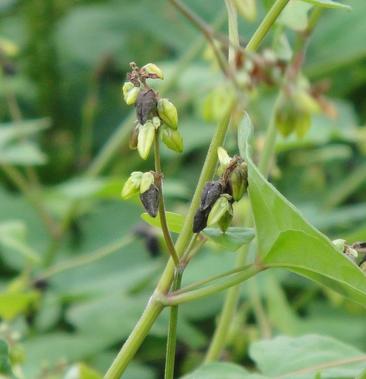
point(145, 139)
point(132, 185)
point(168, 113)
point(172, 139)
point(153, 69)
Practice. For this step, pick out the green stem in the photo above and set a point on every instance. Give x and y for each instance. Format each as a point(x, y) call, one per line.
point(154, 307)
point(197, 294)
point(233, 31)
point(172, 330)
point(164, 225)
point(266, 25)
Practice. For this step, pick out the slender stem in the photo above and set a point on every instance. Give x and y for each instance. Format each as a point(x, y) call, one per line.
point(172, 330)
point(154, 307)
point(197, 294)
point(266, 25)
point(233, 31)
point(87, 258)
point(201, 283)
point(164, 225)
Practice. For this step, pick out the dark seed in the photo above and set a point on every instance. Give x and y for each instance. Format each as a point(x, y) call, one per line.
point(200, 219)
point(146, 106)
point(150, 200)
point(211, 192)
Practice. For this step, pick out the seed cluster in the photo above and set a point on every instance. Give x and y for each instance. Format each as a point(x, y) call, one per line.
point(155, 116)
point(218, 196)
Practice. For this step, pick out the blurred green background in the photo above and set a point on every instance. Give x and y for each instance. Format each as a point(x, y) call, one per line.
point(64, 157)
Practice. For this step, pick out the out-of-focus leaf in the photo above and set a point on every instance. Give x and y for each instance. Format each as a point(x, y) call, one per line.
point(15, 303)
point(304, 357)
point(12, 236)
point(174, 220)
point(22, 153)
point(10, 132)
point(219, 370)
point(328, 4)
point(5, 364)
point(286, 240)
point(295, 15)
point(232, 238)
point(331, 47)
point(82, 371)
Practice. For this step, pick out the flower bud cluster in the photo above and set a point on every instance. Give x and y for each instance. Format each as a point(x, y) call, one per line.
point(218, 196)
point(144, 184)
point(152, 112)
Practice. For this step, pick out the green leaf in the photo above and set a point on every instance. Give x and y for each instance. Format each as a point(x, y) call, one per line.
point(232, 239)
point(295, 15)
point(22, 153)
point(13, 235)
point(304, 356)
point(175, 221)
point(286, 240)
point(14, 303)
point(5, 365)
point(328, 4)
point(218, 370)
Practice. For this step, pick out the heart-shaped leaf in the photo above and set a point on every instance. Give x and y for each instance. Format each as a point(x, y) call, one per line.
point(286, 239)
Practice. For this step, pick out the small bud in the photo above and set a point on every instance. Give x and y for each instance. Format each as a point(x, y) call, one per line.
point(153, 70)
point(147, 180)
point(130, 93)
point(172, 139)
point(132, 185)
point(223, 156)
point(238, 181)
point(219, 209)
point(156, 122)
point(133, 138)
point(210, 194)
point(145, 139)
point(146, 106)
point(168, 113)
point(200, 220)
point(224, 160)
point(150, 200)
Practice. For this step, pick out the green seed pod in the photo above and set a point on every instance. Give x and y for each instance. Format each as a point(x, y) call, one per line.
point(132, 185)
point(133, 138)
point(172, 139)
point(130, 93)
point(226, 219)
point(200, 219)
point(146, 106)
point(210, 193)
point(153, 70)
point(145, 139)
point(168, 113)
point(238, 181)
point(147, 180)
point(150, 200)
point(219, 209)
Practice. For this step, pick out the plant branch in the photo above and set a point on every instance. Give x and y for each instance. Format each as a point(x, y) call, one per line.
point(154, 307)
point(232, 280)
point(266, 25)
point(164, 225)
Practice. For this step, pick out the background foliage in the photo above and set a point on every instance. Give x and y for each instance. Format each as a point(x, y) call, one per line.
point(59, 108)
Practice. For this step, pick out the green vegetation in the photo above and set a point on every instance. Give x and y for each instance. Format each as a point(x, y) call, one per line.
point(182, 189)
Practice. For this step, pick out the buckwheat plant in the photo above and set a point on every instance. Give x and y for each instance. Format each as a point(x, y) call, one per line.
point(275, 230)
